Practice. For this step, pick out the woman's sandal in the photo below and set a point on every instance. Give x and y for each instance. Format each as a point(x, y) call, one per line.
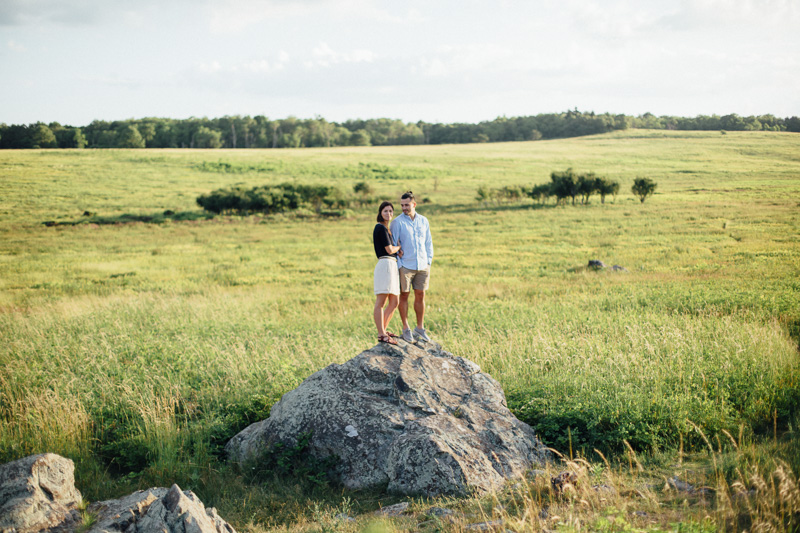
point(392, 335)
point(387, 339)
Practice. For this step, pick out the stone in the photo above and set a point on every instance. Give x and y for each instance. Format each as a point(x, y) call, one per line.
point(412, 418)
point(564, 480)
point(439, 512)
point(38, 493)
point(157, 510)
point(679, 485)
point(604, 488)
point(485, 526)
point(393, 510)
point(596, 264)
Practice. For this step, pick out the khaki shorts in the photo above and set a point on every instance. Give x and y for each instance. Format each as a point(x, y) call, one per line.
point(416, 279)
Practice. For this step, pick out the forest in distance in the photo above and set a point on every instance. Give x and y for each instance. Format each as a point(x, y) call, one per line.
point(292, 132)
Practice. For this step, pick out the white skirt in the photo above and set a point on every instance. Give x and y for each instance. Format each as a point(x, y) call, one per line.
point(387, 276)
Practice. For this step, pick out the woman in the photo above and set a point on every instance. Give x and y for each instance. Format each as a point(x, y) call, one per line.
point(387, 278)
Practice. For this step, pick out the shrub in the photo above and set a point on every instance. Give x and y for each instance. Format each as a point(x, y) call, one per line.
point(510, 193)
point(485, 194)
point(643, 187)
point(605, 186)
point(587, 186)
point(363, 188)
point(564, 185)
point(540, 192)
point(272, 199)
point(294, 461)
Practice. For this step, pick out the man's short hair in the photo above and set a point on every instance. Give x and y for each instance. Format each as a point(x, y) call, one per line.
point(408, 195)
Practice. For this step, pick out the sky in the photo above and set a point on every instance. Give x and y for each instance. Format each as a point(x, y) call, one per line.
point(74, 61)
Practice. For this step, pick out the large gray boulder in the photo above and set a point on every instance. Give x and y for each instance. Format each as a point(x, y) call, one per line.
point(38, 493)
point(157, 510)
point(412, 417)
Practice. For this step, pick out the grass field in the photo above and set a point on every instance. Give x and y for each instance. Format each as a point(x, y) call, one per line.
point(138, 349)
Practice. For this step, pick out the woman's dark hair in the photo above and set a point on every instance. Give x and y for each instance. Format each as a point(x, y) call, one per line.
point(380, 210)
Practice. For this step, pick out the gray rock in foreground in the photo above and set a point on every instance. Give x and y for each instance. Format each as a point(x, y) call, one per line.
point(157, 511)
point(38, 493)
point(411, 417)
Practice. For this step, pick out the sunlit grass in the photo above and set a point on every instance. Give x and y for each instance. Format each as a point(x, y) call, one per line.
point(139, 349)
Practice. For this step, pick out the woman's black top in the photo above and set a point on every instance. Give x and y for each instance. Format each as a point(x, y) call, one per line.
point(381, 239)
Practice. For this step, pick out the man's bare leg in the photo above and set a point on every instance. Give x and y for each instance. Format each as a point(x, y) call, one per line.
point(403, 308)
point(419, 307)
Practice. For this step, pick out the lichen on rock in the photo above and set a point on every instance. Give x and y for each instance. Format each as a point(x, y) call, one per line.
point(411, 417)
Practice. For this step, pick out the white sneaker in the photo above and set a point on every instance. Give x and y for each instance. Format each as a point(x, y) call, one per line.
point(408, 336)
point(420, 332)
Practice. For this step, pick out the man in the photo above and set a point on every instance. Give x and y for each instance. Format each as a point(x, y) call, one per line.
point(412, 233)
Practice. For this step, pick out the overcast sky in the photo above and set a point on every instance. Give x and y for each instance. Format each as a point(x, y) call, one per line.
point(74, 61)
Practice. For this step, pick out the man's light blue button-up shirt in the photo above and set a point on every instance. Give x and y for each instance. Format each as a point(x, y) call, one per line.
point(414, 238)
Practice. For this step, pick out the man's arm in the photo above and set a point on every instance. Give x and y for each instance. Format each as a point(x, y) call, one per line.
point(395, 227)
point(429, 244)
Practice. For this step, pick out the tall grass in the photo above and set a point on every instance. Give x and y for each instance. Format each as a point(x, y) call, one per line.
point(139, 349)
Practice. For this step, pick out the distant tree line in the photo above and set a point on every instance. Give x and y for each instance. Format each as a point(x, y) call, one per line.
point(262, 132)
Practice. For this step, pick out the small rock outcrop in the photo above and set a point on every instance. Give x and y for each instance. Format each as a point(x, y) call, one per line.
point(411, 417)
point(38, 493)
point(157, 511)
point(596, 264)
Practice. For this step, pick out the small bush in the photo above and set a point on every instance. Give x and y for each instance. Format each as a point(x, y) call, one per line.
point(604, 187)
point(273, 199)
point(294, 461)
point(485, 194)
point(643, 187)
point(563, 185)
point(540, 192)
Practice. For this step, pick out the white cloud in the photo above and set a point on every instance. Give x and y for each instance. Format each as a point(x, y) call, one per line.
point(209, 68)
point(322, 55)
point(15, 46)
point(453, 59)
point(230, 16)
point(113, 80)
point(257, 66)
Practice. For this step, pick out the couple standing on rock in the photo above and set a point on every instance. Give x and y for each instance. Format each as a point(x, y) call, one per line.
point(405, 252)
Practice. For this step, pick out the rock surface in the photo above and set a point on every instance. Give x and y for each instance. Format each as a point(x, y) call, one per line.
point(596, 264)
point(157, 510)
point(412, 417)
point(393, 510)
point(38, 493)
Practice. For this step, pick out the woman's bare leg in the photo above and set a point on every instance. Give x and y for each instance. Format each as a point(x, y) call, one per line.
point(378, 314)
point(389, 311)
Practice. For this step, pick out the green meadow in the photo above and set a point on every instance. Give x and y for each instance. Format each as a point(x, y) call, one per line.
point(138, 349)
